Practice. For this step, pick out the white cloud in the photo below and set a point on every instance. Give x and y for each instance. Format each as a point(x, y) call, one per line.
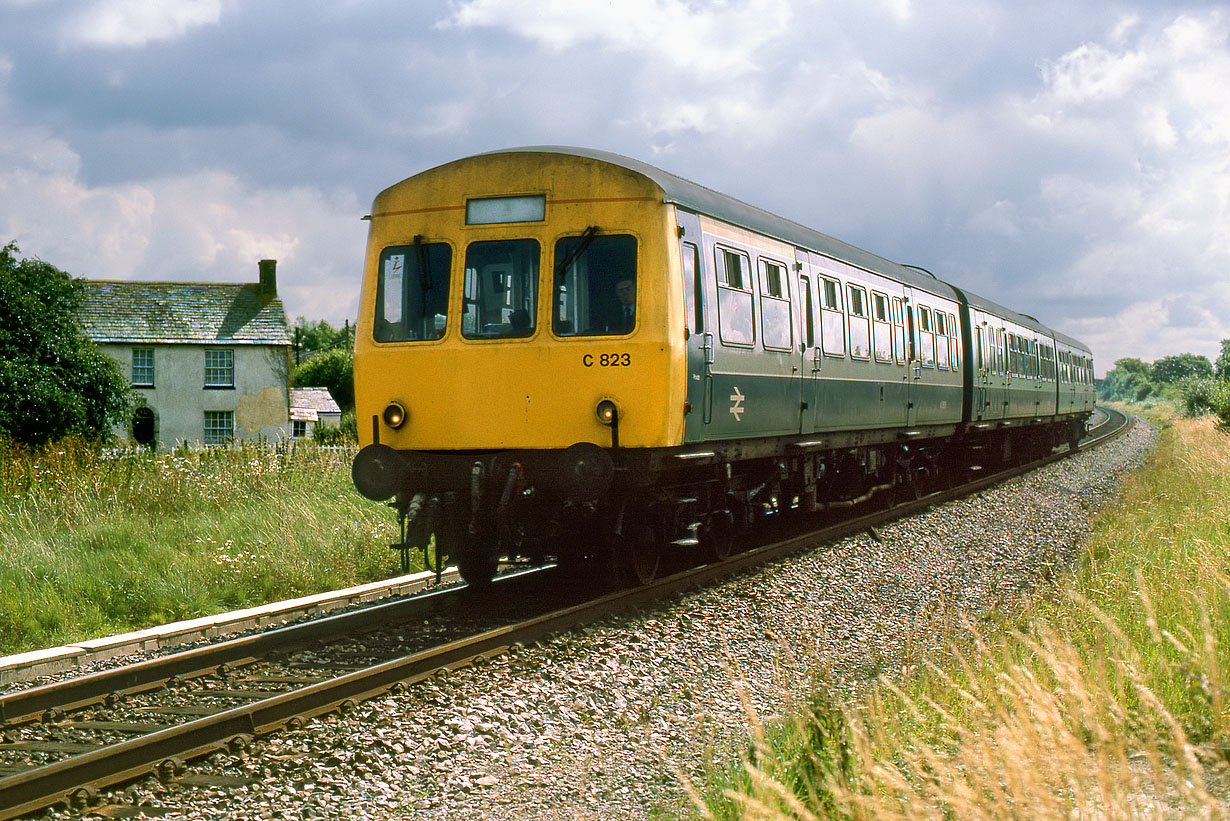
point(725, 38)
point(201, 226)
point(133, 23)
point(1152, 110)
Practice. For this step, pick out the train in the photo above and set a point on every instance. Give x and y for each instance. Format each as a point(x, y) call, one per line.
point(566, 355)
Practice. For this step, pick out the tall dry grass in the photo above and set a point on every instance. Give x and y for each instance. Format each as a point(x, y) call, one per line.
point(1111, 701)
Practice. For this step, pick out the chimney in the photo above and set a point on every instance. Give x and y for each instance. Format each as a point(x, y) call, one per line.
point(269, 278)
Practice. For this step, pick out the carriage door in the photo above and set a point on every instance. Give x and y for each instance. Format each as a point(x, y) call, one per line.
point(913, 369)
point(699, 334)
point(981, 377)
point(810, 355)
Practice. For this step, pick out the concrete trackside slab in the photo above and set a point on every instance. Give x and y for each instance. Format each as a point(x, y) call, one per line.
point(25, 666)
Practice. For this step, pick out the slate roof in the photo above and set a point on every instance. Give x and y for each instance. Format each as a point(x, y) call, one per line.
point(179, 312)
point(306, 404)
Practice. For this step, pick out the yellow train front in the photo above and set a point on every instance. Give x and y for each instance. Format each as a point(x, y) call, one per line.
point(514, 343)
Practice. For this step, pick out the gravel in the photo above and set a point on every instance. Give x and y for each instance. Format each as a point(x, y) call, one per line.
point(605, 722)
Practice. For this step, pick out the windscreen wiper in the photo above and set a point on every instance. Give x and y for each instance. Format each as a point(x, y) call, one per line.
point(425, 283)
point(585, 239)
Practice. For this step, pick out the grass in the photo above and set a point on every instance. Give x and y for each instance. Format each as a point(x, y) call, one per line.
point(1107, 697)
point(97, 543)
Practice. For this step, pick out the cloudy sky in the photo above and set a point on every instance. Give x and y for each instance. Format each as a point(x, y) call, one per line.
point(1070, 160)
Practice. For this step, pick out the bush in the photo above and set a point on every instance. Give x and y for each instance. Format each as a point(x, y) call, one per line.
point(1203, 396)
point(332, 369)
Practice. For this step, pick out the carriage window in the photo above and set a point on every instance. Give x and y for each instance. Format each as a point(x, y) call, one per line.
point(412, 292)
point(595, 285)
point(926, 337)
point(881, 331)
point(941, 339)
point(832, 320)
point(735, 322)
point(898, 331)
point(954, 351)
point(860, 333)
point(693, 284)
point(501, 289)
point(776, 327)
point(809, 318)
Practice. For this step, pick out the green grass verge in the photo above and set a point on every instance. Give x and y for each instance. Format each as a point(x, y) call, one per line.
point(1107, 697)
point(93, 544)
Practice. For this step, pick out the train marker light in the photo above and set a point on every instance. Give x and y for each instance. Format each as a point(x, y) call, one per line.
point(608, 414)
point(394, 415)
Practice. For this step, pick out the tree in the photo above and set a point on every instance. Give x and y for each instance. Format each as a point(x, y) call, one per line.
point(1223, 361)
point(1128, 381)
point(312, 337)
point(53, 381)
point(1172, 369)
point(333, 369)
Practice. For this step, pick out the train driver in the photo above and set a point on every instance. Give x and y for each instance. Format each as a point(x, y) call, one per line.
point(625, 319)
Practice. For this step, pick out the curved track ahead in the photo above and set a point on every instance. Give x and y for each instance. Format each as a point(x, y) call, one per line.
point(77, 736)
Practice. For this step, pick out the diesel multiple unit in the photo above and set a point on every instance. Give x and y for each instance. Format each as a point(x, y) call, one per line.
point(570, 354)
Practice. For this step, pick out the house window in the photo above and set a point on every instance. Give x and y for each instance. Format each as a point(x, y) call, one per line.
point(143, 367)
point(219, 427)
point(219, 369)
point(298, 428)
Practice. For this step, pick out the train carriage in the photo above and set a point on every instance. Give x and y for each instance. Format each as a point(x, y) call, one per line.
point(568, 353)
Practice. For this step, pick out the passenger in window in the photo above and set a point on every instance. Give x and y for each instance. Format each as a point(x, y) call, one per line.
point(625, 318)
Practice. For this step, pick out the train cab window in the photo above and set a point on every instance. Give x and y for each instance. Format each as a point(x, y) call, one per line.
point(860, 331)
point(776, 324)
point(881, 328)
point(595, 285)
point(941, 339)
point(736, 325)
point(832, 319)
point(926, 337)
point(412, 292)
point(501, 289)
point(898, 331)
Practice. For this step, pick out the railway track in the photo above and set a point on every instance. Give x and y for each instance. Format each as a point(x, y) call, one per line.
point(63, 742)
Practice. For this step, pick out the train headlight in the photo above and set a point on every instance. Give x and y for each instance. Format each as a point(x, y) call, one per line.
point(607, 412)
point(394, 415)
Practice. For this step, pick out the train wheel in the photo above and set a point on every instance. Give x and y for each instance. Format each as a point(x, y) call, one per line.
point(643, 553)
point(476, 556)
point(476, 563)
point(718, 538)
point(635, 544)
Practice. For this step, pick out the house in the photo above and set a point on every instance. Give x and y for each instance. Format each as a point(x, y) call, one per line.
point(210, 362)
point(310, 407)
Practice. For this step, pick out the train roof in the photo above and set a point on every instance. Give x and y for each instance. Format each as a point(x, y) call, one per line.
point(695, 197)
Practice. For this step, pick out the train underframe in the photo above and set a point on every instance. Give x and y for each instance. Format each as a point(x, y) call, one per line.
point(613, 515)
